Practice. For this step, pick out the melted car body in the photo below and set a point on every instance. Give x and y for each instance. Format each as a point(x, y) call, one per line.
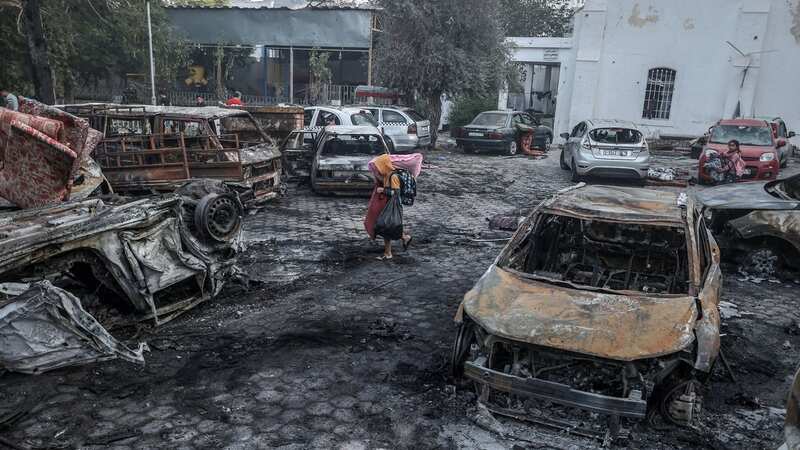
point(605, 300)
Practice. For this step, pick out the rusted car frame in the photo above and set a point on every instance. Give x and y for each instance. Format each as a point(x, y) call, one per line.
point(277, 121)
point(605, 300)
point(159, 148)
point(341, 159)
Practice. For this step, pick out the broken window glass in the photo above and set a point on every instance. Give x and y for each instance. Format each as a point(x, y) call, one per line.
point(352, 144)
point(616, 136)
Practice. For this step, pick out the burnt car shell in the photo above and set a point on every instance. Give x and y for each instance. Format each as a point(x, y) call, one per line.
point(656, 347)
point(745, 217)
point(341, 162)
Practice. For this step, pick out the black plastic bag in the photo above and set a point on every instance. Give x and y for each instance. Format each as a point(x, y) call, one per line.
point(390, 222)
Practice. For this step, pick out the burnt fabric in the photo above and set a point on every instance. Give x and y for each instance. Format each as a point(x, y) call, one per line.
point(42, 151)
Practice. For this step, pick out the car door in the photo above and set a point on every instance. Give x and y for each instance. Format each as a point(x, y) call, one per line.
point(574, 142)
point(309, 116)
point(516, 119)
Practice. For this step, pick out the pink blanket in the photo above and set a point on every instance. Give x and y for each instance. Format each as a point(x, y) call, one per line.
point(411, 163)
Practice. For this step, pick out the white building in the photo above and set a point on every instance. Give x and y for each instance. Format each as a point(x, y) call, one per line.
point(674, 67)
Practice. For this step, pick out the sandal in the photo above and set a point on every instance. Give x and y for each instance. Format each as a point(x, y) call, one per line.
point(384, 258)
point(407, 243)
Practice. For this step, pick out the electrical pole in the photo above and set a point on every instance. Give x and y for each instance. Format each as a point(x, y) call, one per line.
point(152, 63)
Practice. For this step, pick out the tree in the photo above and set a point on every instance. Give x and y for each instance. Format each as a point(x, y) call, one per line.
point(431, 47)
point(538, 18)
point(43, 82)
point(87, 41)
point(321, 74)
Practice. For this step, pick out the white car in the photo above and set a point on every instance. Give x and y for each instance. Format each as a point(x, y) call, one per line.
point(319, 117)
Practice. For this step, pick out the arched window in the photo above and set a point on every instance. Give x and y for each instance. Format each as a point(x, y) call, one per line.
point(658, 94)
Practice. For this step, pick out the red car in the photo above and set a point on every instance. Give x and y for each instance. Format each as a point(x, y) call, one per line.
point(759, 148)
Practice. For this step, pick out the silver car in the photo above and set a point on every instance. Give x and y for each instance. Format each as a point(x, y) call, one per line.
point(318, 117)
point(606, 148)
point(403, 128)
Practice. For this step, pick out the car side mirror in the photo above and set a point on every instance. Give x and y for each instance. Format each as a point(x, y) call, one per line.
point(792, 134)
point(781, 143)
point(564, 136)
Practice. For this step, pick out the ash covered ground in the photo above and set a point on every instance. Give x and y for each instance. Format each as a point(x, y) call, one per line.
point(325, 347)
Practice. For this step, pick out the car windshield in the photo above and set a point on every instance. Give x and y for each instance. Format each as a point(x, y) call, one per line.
point(746, 135)
point(605, 255)
point(616, 136)
point(363, 119)
point(490, 120)
point(352, 144)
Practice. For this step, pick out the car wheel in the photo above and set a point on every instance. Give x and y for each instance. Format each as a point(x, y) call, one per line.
point(576, 178)
point(465, 337)
point(561, 161)
point(512, 148)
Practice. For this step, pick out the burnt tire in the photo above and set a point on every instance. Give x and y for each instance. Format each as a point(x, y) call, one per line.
point(219, 217)
point(465, 337)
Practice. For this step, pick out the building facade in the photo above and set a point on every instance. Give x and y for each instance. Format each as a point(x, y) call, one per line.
point(275, 46)
point(676, 67)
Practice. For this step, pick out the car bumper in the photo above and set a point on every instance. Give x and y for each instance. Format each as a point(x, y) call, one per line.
point(343, 187)
point(554, 392)
point(410, 142)
point(754, 171)
point(627, 168)
point(481, 144)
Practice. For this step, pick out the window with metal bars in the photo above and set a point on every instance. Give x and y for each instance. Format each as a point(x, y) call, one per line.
point(659, 92)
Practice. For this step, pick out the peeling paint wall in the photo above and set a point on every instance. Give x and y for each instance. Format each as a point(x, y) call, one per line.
point(638, 20)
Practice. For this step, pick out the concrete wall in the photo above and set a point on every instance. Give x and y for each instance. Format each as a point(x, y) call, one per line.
point(616, 42)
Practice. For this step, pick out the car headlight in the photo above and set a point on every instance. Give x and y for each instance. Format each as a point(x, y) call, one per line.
point(767, 157)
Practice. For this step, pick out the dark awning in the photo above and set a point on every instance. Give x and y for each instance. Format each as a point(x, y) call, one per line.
point(329, 28)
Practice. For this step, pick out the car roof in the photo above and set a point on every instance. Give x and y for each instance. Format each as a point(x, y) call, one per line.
point(344, 109)
point(351, 129)
point(600, 123)
point(744, 122)
point(619, 203)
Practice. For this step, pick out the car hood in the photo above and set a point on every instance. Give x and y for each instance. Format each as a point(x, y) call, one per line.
point(605, 325)
point(742, 196)
point(356, 162)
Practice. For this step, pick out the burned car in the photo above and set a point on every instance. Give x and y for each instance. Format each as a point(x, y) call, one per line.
point(297, 152)
point(341, 162)
point(72, 266)
point(147, 259)
point(604, 301)
point(158, 148)
point(757, 221)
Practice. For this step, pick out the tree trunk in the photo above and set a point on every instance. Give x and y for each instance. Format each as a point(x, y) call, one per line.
point(435, 108)
point(37, 50)
point(219, 56)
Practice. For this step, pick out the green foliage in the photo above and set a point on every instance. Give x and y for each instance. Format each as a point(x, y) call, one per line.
point(465, 109)
point(536, 17)
point(431, 47)
point(318, 64)
point(91, 41)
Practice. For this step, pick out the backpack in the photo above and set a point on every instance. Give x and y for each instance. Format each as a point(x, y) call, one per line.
point(408, 186)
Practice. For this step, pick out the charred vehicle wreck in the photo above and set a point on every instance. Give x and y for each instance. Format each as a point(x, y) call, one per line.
point(605, 300)
point(341, 159)
point(158, 148)
point(756, 223)
point(70, 270)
